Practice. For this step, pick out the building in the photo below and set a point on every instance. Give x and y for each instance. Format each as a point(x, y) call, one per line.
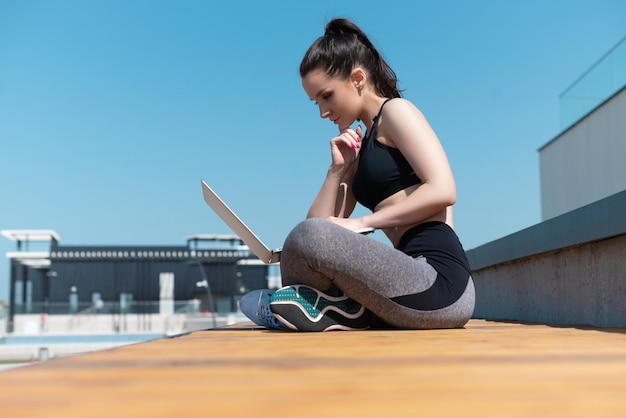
point(584, 163)
point(50, 281)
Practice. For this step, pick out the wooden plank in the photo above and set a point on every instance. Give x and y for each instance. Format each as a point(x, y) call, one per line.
point(487, 369)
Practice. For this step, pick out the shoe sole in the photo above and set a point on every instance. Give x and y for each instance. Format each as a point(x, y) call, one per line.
point(303, 308)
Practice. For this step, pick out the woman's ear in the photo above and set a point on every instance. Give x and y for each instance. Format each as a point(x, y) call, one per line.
point(359, 78)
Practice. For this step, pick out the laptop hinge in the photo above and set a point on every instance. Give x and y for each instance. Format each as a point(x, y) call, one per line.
point(275, 258)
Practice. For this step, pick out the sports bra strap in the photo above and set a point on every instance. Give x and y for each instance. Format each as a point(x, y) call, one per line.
point(381, 110)
point(375, 124)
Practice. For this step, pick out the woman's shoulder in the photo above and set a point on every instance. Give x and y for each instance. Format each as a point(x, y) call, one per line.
point(401, 110)
point(400, 104)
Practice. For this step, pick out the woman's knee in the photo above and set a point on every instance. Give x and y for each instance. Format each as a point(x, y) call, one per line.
point(307, 234)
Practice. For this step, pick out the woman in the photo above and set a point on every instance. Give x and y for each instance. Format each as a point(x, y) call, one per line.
point(335, 278)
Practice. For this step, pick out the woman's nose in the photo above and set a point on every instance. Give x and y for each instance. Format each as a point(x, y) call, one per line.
point(324, 113)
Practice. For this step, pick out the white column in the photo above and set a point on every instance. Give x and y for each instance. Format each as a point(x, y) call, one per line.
point(166, 282)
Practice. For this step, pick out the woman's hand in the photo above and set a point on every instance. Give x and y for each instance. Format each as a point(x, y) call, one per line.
point(353, 224)
point(345, 147)
point(334, 199)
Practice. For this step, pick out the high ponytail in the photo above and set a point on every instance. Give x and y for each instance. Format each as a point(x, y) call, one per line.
point(343, 47)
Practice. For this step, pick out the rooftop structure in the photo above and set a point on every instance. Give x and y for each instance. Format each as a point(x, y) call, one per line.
point(62, 281)
point(27, 235)
point(584, 163)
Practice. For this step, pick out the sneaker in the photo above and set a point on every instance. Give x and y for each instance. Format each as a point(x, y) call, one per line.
point(303, 308)
point(256, 306)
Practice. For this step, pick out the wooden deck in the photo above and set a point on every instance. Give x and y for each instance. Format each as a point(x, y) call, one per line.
point(488, 369)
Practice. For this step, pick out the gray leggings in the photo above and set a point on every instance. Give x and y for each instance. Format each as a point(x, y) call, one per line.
point(325, 256)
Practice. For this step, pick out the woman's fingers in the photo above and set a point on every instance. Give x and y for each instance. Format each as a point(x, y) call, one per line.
point(359, 132)
point(350, 137)
point(345, 147)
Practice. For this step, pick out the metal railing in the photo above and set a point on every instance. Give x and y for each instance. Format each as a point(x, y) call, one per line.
point(108, 308)
point(605, 78)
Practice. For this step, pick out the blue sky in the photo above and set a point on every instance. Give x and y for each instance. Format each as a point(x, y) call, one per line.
point(112, 111)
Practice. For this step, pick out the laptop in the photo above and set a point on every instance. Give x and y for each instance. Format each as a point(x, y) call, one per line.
point(253, 242)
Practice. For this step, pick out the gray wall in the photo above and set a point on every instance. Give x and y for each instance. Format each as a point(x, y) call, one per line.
point(586, 162)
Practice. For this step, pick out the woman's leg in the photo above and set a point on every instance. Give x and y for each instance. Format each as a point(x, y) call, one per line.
point(325, 256)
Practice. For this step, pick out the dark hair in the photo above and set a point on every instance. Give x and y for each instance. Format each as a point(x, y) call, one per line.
point(342, 48)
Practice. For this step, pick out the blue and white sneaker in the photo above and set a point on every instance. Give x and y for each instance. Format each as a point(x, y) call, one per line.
point(303, 308)
point(256, 306)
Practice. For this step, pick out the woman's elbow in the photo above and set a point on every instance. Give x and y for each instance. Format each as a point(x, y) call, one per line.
point(448, 195)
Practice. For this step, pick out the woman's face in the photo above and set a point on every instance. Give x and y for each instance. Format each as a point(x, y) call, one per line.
point(338, 99)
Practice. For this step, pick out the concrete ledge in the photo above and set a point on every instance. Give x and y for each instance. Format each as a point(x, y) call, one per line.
point(569, 270)
point(602, 219)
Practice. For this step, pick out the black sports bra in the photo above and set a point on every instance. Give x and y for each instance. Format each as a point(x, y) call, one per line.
point(382, 170)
